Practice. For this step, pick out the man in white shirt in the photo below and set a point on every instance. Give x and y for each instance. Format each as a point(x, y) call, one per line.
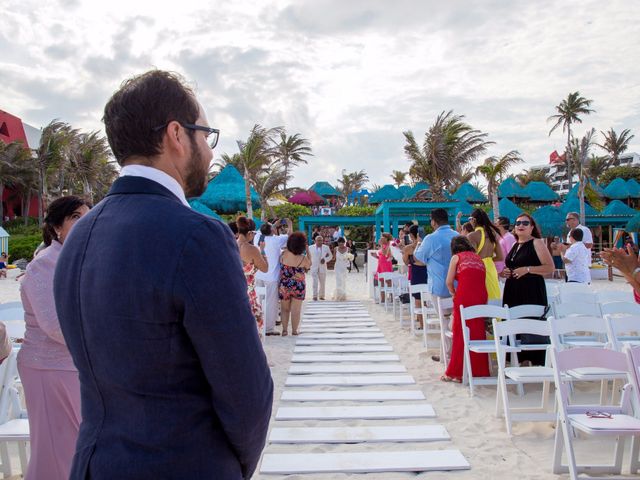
point(271, 246)
point(573, 222)
point(320, 255)
point(577, 259)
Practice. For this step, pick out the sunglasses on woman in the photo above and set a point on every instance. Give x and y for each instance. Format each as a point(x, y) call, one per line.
point(524, 223)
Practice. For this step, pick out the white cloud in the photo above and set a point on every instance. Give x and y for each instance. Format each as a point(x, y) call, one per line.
point(350, 76)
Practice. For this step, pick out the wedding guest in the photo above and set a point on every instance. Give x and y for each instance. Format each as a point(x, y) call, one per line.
point(354, 252)
point(48, 375)
point(294, 263)
point(525, 265)
point(468, 270)
point(4, 260)
point(384, 257)
point(573, 221)
point(485, 239)
point(343, 259)
point(320, 254)
point(252, 261)
point(417, 268)
point(506, 240)
point(577, 259)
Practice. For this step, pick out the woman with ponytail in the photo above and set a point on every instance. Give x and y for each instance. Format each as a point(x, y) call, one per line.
point(49, 378)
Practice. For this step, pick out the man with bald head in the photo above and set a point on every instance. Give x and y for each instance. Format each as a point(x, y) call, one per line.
point(153, 305)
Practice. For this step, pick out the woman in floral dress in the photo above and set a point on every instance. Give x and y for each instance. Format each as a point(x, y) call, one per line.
point(294, 263)
point(252, 261)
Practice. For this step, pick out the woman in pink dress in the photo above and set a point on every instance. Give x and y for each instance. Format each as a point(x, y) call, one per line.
point(49, 378)
point(468, 269)
point(384, 257)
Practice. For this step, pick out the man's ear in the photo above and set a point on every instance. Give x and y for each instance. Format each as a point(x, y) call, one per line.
point(175, 139)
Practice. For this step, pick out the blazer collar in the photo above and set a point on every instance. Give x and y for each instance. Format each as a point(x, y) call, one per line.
point(140, 185)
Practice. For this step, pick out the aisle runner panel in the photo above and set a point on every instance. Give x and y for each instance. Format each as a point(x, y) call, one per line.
point(356, 357)
point(329, 334)
point(343, 331)
point(340, 368)
point(363, 412)
point(396, 433)
point(332, 324)
point(339, 321)
point(338, 341)
point(350, 395)
point(351, 380)
point(344, 349)
point(363, 462)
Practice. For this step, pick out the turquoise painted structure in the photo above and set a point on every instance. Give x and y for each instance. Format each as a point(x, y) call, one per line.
point(389, 216)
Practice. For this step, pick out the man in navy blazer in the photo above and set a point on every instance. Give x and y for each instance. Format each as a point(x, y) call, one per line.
point(153, 305)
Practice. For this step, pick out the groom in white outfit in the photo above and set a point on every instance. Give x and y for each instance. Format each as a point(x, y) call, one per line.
point(320, 255)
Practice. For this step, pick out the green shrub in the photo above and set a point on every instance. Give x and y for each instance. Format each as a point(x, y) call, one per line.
point(357, 211)
point(292, 211)
point(625, 172)
point(17, 226)
point(23, 246)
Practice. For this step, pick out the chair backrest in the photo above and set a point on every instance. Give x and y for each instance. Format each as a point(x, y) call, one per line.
point(573, 325)
point(563, 360)
point(633, 362)
point(8, 377)
point(614, 296)
point(552, 288)
point(578, 297)
point(483, 311)
point(418, 288)
point(508, 330)
point(620, 308)
point(620, 327)
point(526, 311)
point(15, 328)
point(573, 287)
point(562, 310)
point(15, 313)
point(4, 306)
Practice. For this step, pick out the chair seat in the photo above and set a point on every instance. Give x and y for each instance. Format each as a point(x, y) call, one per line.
point(15, 429)
point(595, 373)
point(532, 346)
point(488, 346)
point(584, 343)
point(529, 374)
point(618, 423)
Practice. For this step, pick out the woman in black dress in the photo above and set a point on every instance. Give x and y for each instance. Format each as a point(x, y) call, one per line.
point(525, 265)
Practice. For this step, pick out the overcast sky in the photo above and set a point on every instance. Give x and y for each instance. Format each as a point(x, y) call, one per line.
point(349, 75)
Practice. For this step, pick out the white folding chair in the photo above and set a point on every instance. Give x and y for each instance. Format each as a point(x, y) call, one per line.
point(573, 298)
point(16, 304)
point(553, 292)
point(261, 293)
point(526, 311)
point(13, 313)
point(15, 329)
point(623, 330)
point(478, 346)
point(619, 308)
point(445, 316)
point(502, 332)
point(386, 286)
point(562, 310)
point(596, 420)
point(400, 285)
point(416, 289)
point(633, 361)
point(573, 287)
point(12, 429)
point(614, 296)
point(430, 318)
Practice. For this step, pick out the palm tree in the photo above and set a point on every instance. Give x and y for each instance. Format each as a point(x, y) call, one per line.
point(11, 155)
point(27, 179)
point(256, 155)
point(89, 154)
point(267, 184)
point(615, 145)
point(494, 170)
point(461, 175)
point(582, 149)
point(51, 156)
point(398, 177)
point(290, 152)
point(449, 143)
point(596, 166)
point(533, 175)
point(352, 182)
point(569, 111)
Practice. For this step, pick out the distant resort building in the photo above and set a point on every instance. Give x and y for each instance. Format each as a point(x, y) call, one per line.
point(14, 129)
point(556, 169)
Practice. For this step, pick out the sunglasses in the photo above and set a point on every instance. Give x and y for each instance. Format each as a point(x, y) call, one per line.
point(524, 223)
point(569, 218)
point(598, 414)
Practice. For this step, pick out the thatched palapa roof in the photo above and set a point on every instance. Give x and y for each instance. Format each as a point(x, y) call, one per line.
point(325, 189)
point(507, 209)
point(468, 193)
point(540, 192)
point(616, 207)
point(225, 193)
point(617, 189)
point(509, 188)
point(386, 193)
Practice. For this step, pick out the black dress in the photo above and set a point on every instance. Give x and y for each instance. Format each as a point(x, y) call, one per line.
point(526, 290)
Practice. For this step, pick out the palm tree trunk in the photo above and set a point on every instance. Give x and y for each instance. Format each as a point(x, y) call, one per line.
point(581, 195)
point(247, 193)
point(496, 206)
point(569, 158)
point(25, 210)
point(1, 205)
point(286, 172)
point(43, 193)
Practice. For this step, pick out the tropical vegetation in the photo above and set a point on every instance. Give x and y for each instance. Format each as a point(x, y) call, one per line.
point(495, 170)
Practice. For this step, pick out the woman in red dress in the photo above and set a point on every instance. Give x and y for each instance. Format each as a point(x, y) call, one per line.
point(467, 268)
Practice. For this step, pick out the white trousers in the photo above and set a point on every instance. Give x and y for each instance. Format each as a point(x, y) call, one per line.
point(319, 279)
point(272, 311)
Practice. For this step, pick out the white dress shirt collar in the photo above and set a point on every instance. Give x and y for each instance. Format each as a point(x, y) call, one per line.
point(158, 176)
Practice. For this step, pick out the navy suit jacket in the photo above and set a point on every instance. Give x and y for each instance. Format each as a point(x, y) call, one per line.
point(153, 306)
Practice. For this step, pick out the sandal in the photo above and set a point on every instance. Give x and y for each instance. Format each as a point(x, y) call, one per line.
point(285, 333)
point(294, 333)
point(445, 378)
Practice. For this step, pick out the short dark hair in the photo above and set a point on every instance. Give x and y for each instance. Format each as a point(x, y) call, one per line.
point(440, 216)
point(341, 240)
point(233, 226)
point(504, 222)
point(577, 234)
point(141, 105)
point(245, 225)
point(467, 227)
point(57, 212)
point(461, 244)
point(297, 243)
point(414, 230)
point(265, 229)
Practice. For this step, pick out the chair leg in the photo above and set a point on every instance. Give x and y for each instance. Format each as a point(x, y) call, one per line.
point(620, 441)
point(635, 450)
point(6, 461)
point(24, 462)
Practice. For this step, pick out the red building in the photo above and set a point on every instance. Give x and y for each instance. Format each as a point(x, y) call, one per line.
point(12, 129)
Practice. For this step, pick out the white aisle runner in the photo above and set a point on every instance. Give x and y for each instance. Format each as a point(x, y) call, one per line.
point(331, 363)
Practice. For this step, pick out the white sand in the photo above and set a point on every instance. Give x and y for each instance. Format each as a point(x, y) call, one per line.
point(471, 422)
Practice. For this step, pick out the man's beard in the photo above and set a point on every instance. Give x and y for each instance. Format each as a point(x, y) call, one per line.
point(196, 177)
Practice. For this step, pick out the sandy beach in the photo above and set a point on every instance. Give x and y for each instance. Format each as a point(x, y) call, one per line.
point(471, 422)
point(474, 429)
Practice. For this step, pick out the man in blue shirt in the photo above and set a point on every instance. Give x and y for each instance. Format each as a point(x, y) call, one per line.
point(435, 252)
